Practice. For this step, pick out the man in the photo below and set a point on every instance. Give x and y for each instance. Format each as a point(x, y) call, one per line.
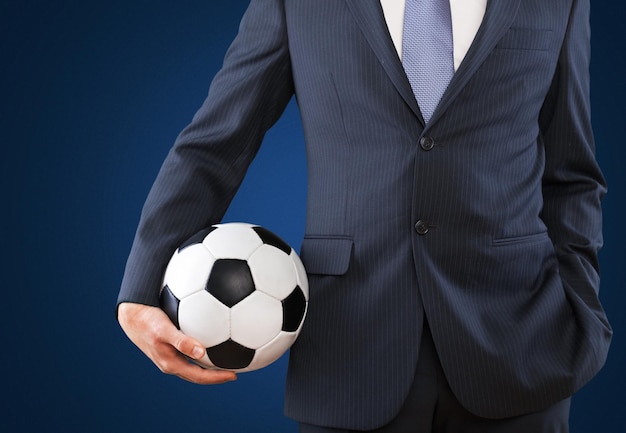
point(453, 217)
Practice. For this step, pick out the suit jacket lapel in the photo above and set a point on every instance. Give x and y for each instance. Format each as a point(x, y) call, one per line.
point(498, 18)
point(369, 16)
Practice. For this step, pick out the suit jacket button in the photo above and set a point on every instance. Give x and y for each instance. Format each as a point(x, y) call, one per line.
point(421, 228)
point(427, 143)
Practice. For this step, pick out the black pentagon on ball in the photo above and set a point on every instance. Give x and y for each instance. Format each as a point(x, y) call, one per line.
point(230, 355)
point(272, 239)
point(294, 307)
point(169, 304)
point(230, 281)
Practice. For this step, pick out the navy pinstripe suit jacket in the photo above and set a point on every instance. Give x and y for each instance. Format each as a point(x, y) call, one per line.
point(487, 219)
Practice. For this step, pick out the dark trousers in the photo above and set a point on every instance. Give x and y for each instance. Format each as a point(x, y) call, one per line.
point(431, 407)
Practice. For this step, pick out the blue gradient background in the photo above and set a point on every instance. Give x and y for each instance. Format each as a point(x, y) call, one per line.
point(92, 97)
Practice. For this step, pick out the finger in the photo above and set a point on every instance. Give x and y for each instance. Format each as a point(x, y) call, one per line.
point(186, 345)
point(153, 332)
point(174, 363)
point(202, 376)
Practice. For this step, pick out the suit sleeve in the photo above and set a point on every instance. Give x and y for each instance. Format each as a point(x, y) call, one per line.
point(208, 161)
point(573, 185)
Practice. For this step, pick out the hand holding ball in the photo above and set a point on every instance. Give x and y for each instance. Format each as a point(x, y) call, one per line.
point(241, 291)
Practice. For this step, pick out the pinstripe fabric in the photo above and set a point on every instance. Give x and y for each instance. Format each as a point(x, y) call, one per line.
point(504, 260)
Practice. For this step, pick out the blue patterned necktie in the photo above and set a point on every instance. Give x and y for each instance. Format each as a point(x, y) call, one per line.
point(427, 51)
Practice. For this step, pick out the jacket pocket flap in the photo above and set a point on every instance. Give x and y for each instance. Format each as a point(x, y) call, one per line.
point(326, 255)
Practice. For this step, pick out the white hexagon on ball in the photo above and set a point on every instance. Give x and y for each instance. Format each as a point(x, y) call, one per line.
point(273, 271)
point(256, 320)
point(204, 318)
point(188, 270)
point(232, 241)
point(273, 350)
point(303, 281)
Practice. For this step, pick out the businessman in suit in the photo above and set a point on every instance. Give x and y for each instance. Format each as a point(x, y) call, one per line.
point(451, 238)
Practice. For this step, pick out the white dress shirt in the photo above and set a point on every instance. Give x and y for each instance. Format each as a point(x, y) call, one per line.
point(467, 16)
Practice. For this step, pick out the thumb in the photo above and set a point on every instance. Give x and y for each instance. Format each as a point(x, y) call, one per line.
point(187, 345)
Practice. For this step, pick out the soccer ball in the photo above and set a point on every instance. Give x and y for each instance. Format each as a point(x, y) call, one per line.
point(241, 291)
